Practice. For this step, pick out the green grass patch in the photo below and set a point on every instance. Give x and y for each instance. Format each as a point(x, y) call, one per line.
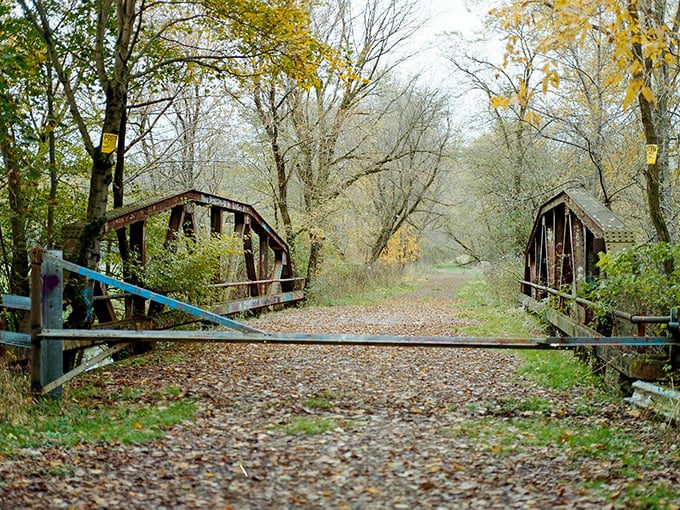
point(647, 496)
point(533, 404)
point(598, 440)
point(556, 369)
point(309, 426)
point(128, 393)
point(58, 469)
point(317, 403)
point(322, 401)
point(68, 422)
point(491, 317)
point(453, 267)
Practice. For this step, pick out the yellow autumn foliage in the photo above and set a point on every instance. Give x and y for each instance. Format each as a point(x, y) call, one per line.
point(641, 42)
point(402, 248)
point(278, 32)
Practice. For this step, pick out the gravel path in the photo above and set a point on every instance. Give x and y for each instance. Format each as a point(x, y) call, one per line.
point(399, 428)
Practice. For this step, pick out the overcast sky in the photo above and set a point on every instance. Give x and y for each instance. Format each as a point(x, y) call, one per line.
point(460, 15)
point(463, 16)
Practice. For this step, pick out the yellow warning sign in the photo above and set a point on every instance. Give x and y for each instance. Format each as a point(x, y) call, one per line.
point(652, 151)
point(109, 142)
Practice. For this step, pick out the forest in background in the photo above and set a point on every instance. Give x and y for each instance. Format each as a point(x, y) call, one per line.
point(311, 112)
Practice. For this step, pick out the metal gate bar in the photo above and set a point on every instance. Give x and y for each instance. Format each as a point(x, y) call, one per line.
point(216, 336)
point(52, 333)
point(148, 294)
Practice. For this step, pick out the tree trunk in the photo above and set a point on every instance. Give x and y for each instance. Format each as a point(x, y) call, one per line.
point(380, 244)
point(119, 196)
point(655, 171)
point(314, 262)
point(51, 141)
point(271, 119)
point(656, 127)
point(19, 283)
point(95, 222)
point(93, 230)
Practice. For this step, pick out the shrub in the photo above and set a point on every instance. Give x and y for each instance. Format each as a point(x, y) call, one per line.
point(344, 283)
point(188, 266)
point(640, 280)
point(402, 248)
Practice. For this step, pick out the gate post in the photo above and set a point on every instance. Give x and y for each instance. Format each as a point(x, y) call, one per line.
point(52, 290)
point(36, 318)
point(46, 310)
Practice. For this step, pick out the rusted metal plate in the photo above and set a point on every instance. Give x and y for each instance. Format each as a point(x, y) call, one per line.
point(591, 211)
point(563, 219)
point(263, 281)
point(126, 215)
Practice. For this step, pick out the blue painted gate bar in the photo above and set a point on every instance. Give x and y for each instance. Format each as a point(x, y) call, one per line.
point(153, 296)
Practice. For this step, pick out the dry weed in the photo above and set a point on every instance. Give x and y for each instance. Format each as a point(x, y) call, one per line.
point(14, 394)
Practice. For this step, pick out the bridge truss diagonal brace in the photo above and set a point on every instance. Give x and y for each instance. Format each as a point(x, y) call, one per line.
point(153, 296)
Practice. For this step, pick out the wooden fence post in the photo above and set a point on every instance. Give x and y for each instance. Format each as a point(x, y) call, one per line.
point(52, 358)
point(36, 318)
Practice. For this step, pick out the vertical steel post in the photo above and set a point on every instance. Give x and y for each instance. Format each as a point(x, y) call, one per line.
point(52, 351)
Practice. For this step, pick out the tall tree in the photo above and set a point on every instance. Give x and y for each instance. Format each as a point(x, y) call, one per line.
point(504, 173)
point(407, 192)
point(644, 39)
point(129, 43)
point(22, 86)
point(319, 135)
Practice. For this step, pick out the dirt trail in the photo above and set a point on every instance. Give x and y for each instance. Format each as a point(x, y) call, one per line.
point(403, 428)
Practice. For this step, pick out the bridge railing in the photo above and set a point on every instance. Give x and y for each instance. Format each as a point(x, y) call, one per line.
point(638, 319)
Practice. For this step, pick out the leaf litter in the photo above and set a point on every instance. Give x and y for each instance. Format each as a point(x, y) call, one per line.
point(403, 428)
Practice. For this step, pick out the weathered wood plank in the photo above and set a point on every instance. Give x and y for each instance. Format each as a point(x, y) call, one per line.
point(15, 339)
point(16, 302)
